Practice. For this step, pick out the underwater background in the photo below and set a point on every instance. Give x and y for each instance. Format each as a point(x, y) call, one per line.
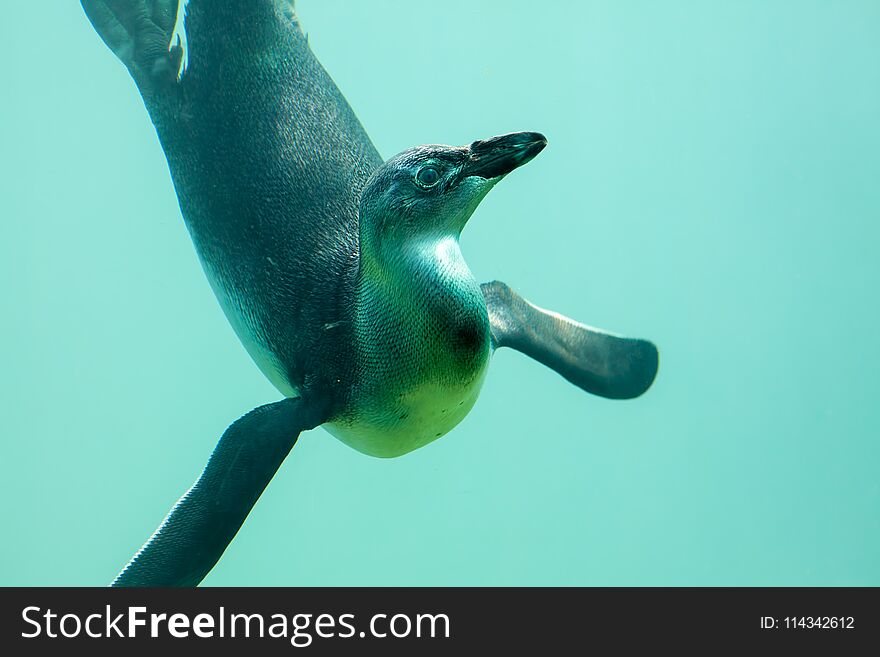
point(712, 183)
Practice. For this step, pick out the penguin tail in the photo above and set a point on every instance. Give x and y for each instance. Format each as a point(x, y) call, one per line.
point(144, 35)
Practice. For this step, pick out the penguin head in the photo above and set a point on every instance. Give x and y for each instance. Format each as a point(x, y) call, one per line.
point(431, 191)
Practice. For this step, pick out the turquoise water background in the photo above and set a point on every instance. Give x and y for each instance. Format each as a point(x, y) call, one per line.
point(712, 183)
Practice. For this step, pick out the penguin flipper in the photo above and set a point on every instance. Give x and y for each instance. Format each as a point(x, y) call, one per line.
point(200, 526)
point(139, 32)
point(601, 363)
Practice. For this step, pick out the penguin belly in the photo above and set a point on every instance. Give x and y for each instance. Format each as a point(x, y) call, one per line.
point(415, 388)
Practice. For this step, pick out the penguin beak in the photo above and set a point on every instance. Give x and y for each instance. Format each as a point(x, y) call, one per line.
point(498, 156)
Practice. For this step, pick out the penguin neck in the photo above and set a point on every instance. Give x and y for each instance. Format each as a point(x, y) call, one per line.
point(408, 273)
point(420, 301)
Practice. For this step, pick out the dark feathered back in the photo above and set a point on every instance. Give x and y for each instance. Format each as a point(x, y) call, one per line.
point(268, 161)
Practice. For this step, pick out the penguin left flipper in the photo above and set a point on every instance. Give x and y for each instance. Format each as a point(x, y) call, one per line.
point(197, 530)
point(601, 363)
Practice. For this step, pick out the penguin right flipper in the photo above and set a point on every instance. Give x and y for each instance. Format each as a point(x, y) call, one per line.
point(139, 32)
point(197, 530)
point(601, 363)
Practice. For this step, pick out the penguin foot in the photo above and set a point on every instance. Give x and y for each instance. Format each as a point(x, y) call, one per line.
point(140, 33)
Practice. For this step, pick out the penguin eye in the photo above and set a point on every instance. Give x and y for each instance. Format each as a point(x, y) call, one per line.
point(428, 177)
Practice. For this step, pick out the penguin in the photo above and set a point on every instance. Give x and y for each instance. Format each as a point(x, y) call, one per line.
point(340, 273)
